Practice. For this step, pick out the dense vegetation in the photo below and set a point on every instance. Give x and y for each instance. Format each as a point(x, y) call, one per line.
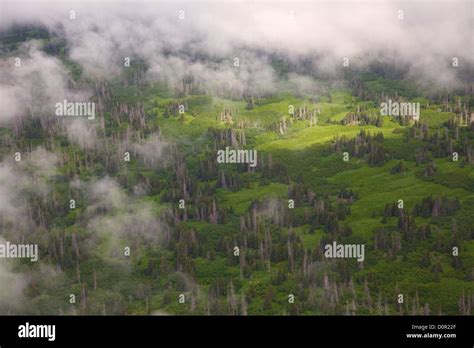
point(227, 236)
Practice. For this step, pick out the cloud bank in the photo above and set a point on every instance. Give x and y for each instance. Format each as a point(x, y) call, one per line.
point(204, 39)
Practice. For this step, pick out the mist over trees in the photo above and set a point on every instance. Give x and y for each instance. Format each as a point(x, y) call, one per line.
point(132, 212)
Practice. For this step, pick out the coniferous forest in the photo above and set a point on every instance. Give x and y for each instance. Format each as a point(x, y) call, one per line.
point(176, 159)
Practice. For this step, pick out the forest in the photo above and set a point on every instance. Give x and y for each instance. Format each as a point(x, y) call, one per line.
point(133, 213)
